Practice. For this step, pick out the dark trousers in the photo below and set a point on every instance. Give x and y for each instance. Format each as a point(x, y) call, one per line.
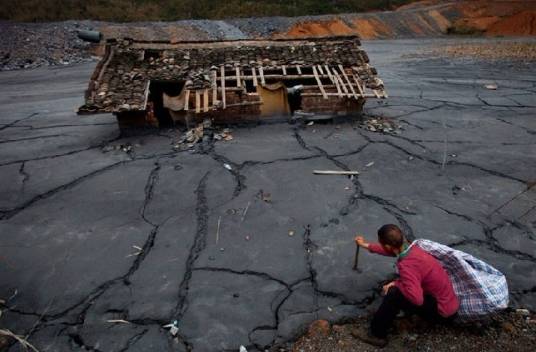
point(395, 301)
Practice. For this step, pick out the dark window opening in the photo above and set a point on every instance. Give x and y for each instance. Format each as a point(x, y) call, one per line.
point(154, 54)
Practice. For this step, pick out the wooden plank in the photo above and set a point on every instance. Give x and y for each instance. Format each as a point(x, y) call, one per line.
point(299, 69)
point(348, 80)
point(329, 73)
point(205, 100)
point(247, 103)
point(197, 102)
point(187, 99)
point(223, 86)
point(336, 81)
point(261, 72)
point(254, 77)
point(277, 77)
point(238, 82)
point(146, 95)
point(341, 82)
point(284, 68)
point(319, 83)
point(214, 87)
point(358, 85)
point(333, 95)
point(335, 172)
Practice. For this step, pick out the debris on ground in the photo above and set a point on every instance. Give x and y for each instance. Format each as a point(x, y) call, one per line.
point(491, 86)
point(264, 196)
point(197, 134)
point(127, 148)
point(521, 52)
point(117, 321)
point(173, 327)
point(380, 125)
point(19, 338)
point(508, 331)
point(225, 135)
point(335, 172)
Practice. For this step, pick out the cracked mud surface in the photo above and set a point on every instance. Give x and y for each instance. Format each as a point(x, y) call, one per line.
point(91, 234)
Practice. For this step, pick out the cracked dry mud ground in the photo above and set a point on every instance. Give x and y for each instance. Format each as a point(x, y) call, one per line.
point(72, 211)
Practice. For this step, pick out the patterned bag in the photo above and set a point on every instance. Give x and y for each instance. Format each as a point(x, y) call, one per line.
point(480, 288)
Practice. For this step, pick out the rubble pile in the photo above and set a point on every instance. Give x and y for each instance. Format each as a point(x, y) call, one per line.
point(30, 45)
point(202, 132)
point(380, 125)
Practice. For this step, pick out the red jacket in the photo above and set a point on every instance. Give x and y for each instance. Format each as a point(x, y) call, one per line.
point(421, 274)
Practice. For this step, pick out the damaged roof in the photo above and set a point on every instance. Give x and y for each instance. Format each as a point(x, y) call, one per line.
point(121, 79)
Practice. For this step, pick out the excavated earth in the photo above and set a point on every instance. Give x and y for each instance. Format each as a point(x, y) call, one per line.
point(106, 238)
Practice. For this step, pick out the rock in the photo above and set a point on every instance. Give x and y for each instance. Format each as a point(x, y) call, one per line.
point(523, 312)
point(508, 327)
point(338, 328)
point(319, 328)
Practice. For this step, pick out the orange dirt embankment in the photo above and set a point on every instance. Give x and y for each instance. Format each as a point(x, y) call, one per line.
point(429, 18)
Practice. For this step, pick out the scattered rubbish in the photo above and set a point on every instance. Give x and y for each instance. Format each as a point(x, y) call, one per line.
point(225, 135)
point(523, 311)
point(410, 158)
point(291, 233)
point(491, 86)
point(347, 188)
point(173, 327)
point(380, 124)
point(139, 251)
point(222, 249)
point(335, 172)
point(231, 211)
point(228, 167)
point(127, 148)
point(311, 123)
point(247, 238)
point(118, 321)
point(370, 164)
point(453, 155)
point(218, 230)
point(177, 167)
point(245, 212)
point(266, 197)
point(330, 309)
point(13, 295)
point(243, 349)
point(20, 339)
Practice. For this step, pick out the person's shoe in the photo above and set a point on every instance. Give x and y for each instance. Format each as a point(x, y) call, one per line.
point(367, 337)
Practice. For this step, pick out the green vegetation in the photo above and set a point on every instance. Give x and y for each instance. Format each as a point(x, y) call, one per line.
point(151, 10)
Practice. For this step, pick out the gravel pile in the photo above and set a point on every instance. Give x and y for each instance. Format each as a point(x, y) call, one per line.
point(507, 332)
point(30, 45)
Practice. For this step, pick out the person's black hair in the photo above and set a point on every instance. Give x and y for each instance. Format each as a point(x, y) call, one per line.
point(391, 235)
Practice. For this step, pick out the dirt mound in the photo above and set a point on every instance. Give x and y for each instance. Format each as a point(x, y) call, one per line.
point(523, 23)
point(427, 19)
point(319, 29)
point(506, 332)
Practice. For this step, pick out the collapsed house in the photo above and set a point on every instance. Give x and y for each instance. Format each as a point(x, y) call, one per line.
point(163, 83)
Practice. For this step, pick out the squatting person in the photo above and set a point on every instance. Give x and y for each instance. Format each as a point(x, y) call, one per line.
point(423, 287)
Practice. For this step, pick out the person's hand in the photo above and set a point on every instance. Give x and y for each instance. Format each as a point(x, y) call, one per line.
point(360, 241)
point(386, 288)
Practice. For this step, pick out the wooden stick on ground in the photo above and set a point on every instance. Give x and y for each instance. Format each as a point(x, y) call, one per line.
point(335, 172)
